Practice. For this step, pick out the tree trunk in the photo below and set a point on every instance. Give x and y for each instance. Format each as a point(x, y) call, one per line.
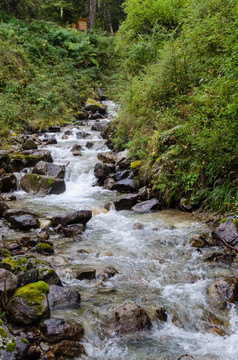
point(110, 21)
point(92, 13)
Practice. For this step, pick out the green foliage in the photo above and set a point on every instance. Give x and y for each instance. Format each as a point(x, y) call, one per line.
point(47, 71)
point(181, 109)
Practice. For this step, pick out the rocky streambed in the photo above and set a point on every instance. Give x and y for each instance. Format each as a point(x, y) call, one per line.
point(92, 267)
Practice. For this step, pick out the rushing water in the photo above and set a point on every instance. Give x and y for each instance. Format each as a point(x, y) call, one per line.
point(156, 267)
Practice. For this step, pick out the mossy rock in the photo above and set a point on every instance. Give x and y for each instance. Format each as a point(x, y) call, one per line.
point(95, 106)
point(44, 248)
point(16, 263)
point(29, 304)
point(43, 185)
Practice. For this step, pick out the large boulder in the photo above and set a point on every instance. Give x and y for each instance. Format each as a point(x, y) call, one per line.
point(42, 185)
point(55, 331)
point(21, 219)
point(8, 183)
point(29, 304)
point(29, 144)
point(224, 291)
point(76, 217)
point(62, 297)
point(73, 230)
point(125, 185)
point(127, 319)
point(126, 203)
point(95, 106)
point(227, 233)
point(146, 206)
point(49, 169)
point(28, 158)
point(8, 282)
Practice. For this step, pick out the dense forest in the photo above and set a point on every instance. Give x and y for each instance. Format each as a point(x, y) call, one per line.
point(171, 66)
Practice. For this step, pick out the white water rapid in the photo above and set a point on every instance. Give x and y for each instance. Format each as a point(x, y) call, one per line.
point(156, 267)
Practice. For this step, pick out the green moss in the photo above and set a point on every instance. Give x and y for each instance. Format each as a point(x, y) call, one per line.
point(4, 253)
point(223, 220)
point(44, 247)
point(33, 293)
point(0, 322)
point(25, 341)
point(16, 265)
point(135, 164)
point(3, 333)
point(11, 346)
point(49, 182)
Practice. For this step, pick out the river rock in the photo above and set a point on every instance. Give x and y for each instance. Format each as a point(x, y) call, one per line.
point(42, 185)
point(120, 175)
point(125, 203)
point(55, 331)
point(49, 169)
point(73, 230)
point(108, 273)
point(98, 126)
point(51, 141)
point(144, 193)
point(69, 349)
point(27, 277)
point(128, 318)
point(76, 217)
point(224, 291)
point(106, 158)
point(4, 156)
point(125, 185)
point(54, 128)
point(109, 183)
point(82, 135)
point(161, 314)
point(29, 144)
point(227, 233)
point(28, 158)
point(89, 145)
point(45, 248)
point(62, 297)
point(29, 304)
point(8, 183)
point(21, 219)
point(197, 241)
point(88, 274)
point(95, 106)
point(138, 226)
point(101, 171)
point(146, 206)
point(3, 207)
point(8, 282)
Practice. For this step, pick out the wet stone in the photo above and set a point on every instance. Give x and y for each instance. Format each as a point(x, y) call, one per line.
point(62, 297)
point(86, 275)
point(8, 281)
point(55, 330)
point(69, 349)
point(76, 217)
point(146, 206)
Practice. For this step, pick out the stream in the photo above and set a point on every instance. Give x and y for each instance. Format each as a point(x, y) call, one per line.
point(156, 266)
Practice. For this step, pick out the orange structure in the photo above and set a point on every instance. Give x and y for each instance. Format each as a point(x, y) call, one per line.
point(74, 26)
point(82, 24)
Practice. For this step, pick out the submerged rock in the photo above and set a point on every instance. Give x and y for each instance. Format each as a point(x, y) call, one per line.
point(29, 304)
point(89, 274)
point(127, 319)
point(41, 184)
point(197, 241)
